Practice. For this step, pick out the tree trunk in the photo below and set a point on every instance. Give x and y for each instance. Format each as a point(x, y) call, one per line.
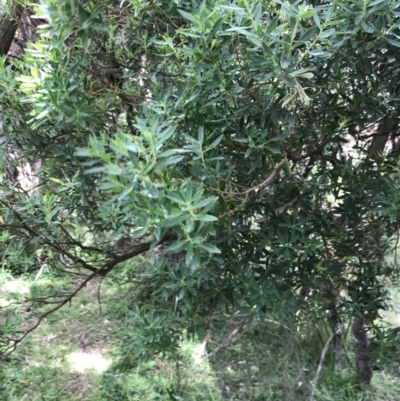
point(337, 344)
point(25, 176)
point(379, 141)
point(8, 27)
point(361, 349)
point(361, 346)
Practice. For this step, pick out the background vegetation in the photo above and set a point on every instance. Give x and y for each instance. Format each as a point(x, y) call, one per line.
point(78, 354)
point(223, 174)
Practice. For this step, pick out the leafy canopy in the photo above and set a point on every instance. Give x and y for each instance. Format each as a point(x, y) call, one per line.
point(236, 133)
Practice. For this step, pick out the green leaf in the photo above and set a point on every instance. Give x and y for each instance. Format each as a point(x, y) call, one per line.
point(83, 14)
point(113, 169)
point(189, 189)
point(187, 16)
point(206, 217)
point(189, 225)
point(175, 220)
point(176, 198)
point(243, 311)
point(209, 248)
point(201, 134)
point(127, 191)
point(306, 14)
point(288, 81)
point(165, 135)
point(375, 2)
point(197, 240)
point(173, 160)
point(273, 24)
point(217, 141)
point(285, 62)
point(168, 153)
point(306, 36)
point(306, 75)
point(367, 27)
point(236, 90)
point(177, 246)
point(379, 24)
point(34, 73)
point(140, 232)
point(317, 20)
point(215, 29)
point(392, 42)
point(205, 203)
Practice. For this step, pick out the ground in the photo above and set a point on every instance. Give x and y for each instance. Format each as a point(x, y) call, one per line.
point(78, 354)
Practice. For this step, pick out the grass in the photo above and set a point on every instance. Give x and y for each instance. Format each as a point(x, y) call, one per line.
point(76, 354)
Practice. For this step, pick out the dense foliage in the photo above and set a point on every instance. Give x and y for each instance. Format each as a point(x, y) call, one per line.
point(256, 140)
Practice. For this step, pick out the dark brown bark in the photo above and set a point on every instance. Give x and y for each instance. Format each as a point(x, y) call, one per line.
point(8, 28)
point(28, 26)
point(379, 141)
point(361, 349)
point(17, 28)
point(337, 345)
point(362, 352)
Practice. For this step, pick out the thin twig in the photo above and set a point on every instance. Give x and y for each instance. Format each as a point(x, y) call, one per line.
point(98, 294)
point(67, 299)
point(165, 14)
point(279, 324)
point(395, 249)
point(227, 343)
point(263, 183)
point(3, 259)
point(52, 245)
point(250, 387)
point(321, 361)
point(102, 271)
point(76, 242)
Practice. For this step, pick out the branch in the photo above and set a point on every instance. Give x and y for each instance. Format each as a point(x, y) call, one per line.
point(108, 266)
point(263, 184)
point(56, 247)
point(67, 299)
point(102, 271)
point(385, 127)
point(321, 361)
point(8, 28)
point(267, 180)
point(312, 153)
point(227, 342)
point(75, 242)
point(165, 14)
point(278, 211)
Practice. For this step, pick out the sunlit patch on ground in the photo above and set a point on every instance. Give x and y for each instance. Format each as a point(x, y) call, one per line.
point(391, 317)
point(4, 303)
point(392, 314)
point(85, 360)
point(12, 287)
point(199, 354)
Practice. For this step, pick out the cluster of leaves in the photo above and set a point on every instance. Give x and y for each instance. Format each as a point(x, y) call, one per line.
point(223, 135)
